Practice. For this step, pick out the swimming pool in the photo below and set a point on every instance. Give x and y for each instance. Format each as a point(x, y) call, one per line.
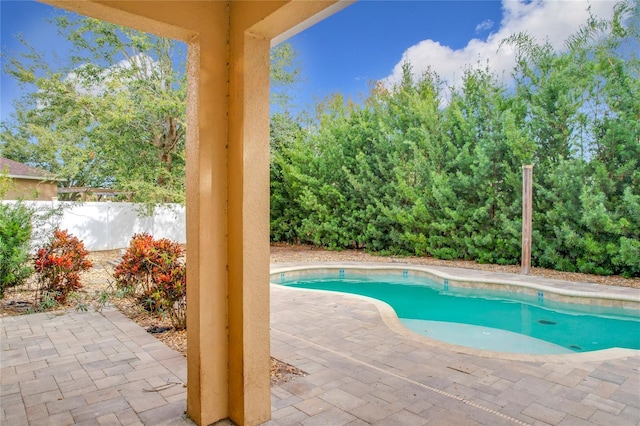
point(484, 318)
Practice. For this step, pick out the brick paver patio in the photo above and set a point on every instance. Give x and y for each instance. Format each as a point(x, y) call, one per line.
point(102, 368)
point(88, 368)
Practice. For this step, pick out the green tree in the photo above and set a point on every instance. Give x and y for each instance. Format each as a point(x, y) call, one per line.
point(407, 173)
point(286, 73)
point(286, 133)
point(113, 117)
point(582, 107)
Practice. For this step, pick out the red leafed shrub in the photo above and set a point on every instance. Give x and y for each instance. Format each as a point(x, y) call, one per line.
point(58, 265)
point(155, 272)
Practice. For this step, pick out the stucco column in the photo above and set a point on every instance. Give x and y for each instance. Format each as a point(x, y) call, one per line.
point(228, 225)
point(248, 226)
point(207, 275)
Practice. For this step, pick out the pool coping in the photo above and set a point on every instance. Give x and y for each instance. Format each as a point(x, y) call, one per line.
point(392, 321)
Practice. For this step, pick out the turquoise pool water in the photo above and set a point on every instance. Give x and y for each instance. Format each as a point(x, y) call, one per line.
point(492, 320)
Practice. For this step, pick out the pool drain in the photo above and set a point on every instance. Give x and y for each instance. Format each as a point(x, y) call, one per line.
point(546, 322)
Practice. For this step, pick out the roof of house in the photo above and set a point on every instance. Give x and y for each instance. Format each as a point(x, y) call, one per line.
point(22, 171)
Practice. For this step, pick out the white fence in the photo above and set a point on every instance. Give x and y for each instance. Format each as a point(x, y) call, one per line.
point(107, 225)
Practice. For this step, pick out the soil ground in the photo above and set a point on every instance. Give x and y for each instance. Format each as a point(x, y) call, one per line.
point(99, 279)
point(303, 253)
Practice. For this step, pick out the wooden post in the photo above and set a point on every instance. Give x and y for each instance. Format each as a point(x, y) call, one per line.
point(527, 210)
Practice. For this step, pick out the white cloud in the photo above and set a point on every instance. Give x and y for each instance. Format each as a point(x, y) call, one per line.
point(552, 20)
point(487, 24)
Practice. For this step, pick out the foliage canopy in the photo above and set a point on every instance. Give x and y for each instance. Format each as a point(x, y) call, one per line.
point(114, 116)
point(411, 172)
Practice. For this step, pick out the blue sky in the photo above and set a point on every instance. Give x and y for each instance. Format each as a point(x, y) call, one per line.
point(363, 42)
point(367, 41)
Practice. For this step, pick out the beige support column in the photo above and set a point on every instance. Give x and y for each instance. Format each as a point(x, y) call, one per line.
point(248, 221)
point(207, 134)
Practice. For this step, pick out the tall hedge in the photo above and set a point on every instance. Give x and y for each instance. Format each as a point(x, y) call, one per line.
point(417, 169)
